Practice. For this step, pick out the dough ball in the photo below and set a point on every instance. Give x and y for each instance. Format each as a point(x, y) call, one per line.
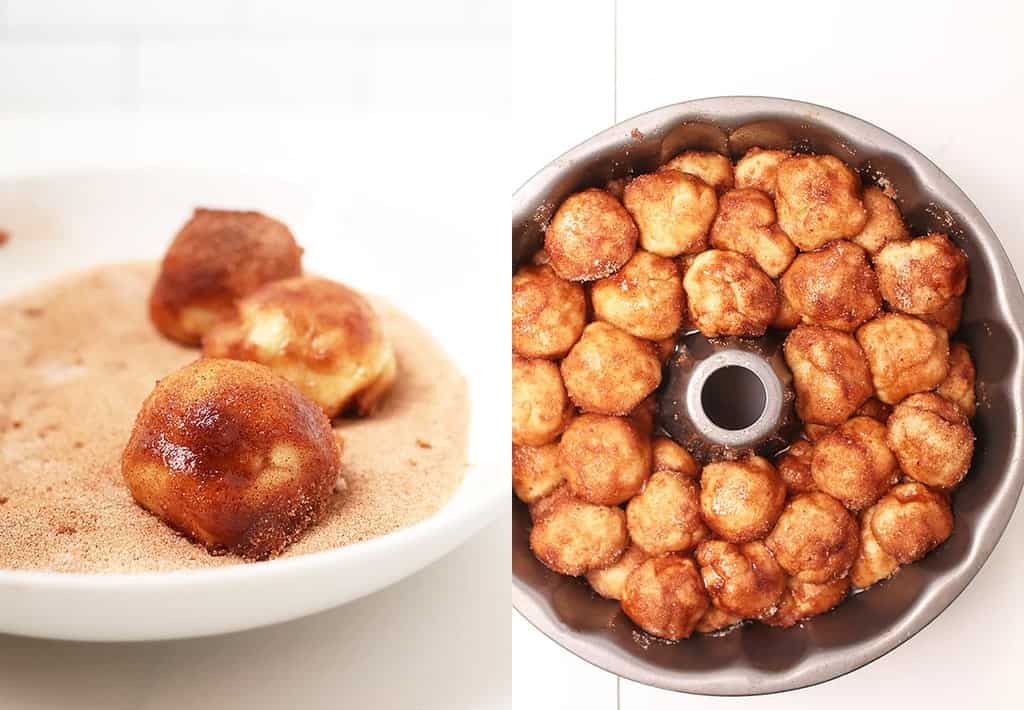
point(729, 295)
point(947, 317)
point(922, 275)
point(958, 387)
point(876, 409)
point(667, 455)
point(873, 564)
point(609, 581)
point(548, 313)
point(665, 517)
point(830, 374)
point(605, 459)
point(802, 600)
point(816, 432)
point(713, 168)
point(610, 371)
point(233, 456)
point(643, 416)
point(542, 506)
point(746, 224)
point(906, 355)
point(758, 169)
point(910, 521)
point(575, 537)
point(665, 597)
point(744, 580)
point(787, 317)
point(932, 440)
point(885, 223)
point(673, 210)
point(535, 472)
point(834, 287)
point(321, 336)
point(716, 620)
point(816, 539)
point(644, 298)
point(540, 408)
point(794, 467)
point(853, 464)
point(741, 500)
point(818, 200)
point(591, 236)
point(216, 258)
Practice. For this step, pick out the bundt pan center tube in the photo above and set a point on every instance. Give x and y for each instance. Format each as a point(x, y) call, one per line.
point(693, 406)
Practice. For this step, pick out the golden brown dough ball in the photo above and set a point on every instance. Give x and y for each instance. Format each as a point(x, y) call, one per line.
point(741, 500)
point(818, 200)
point(905, 354)
point(665, 516)
point(643, 416)
point(816, 539)
point(910, 521)
point(746, 224)
point(729, 295)
point(605, 459)
point(233, 456)
point(873, 564)
point(673, 211)
point(834, 287)
point(758, 169)
point(610, 371)
point(885, 223)
point(323, 337)
point(922, 275)
point(665, 597)
point(644, 298)
point(947, 317)
point(548, 313)
point(575, 537)
point(535, 472)
point(794, 467)
point(609, 581)
point(876, 409)
point(830, 374)
point(716, 620)
point(216, 258)
point(816, 432)
point(713, 168)
point(802, 600)
point(787, 317)
point(540, 408)
point(591, 236)
point(853, 464)
point(958, 387)
point(667, 455)
point(741, 579)
point(542, 506)
point(932, 440)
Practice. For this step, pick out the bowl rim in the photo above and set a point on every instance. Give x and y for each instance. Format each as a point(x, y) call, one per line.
point(987, 536)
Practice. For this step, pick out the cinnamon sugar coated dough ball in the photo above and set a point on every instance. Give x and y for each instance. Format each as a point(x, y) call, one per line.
point(548, 313)
point(816, 432)
point(610, 371)
point(853, 464)
point(323, 337)
point(830, 374)
point(716, 620)
point(885, 223)
point(873, 564)
point(542, 506)
point(667, 455)
point(644, 298)
point(609, 581)
point(665, 516)
point(794, 467)
point(816, 539)
point(540, 408)
point(947, 317)
point(575, 537)
point(591, 236)
point(744, 580)
point(910, 521)
point(817, 198)
point(834, 287)
point(535, 471)
point(729, 295)
point(673, 211)
point(787, 317)
point(922, 275)
point(746, 224)
point(958, 387)
point(233, 456)
point(906, 355)
point(758, 169)
point(665, 597)
point(713, 168)
point(605, 459)
point(643, 416)
point(216, 258)
point(741, 500)
point(932, 440)
point(876, 409)
point(802, 600)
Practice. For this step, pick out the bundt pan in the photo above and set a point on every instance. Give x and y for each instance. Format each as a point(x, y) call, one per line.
point(759, 659)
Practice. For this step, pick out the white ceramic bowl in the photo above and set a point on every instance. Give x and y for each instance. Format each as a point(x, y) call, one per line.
point(68, 222)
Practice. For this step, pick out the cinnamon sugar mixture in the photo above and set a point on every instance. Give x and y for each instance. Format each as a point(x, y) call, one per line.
point(78, 357)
